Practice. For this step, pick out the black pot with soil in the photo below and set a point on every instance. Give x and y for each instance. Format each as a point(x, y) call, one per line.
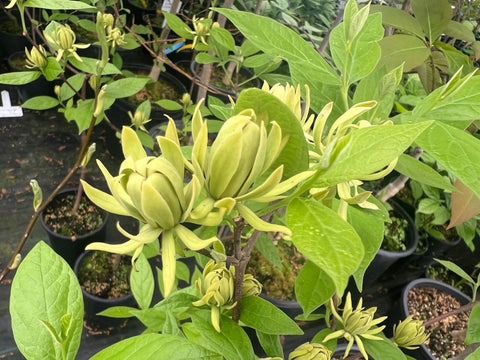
point(104, 279)
point(70, 233)
point(400, 241)
point(11, 38)
point(426, 299)
point(38, 87)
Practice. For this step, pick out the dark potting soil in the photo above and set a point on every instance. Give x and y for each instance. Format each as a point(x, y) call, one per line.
point(395, 234)
point(105, 275)
point(59, 216)
point(447, 337)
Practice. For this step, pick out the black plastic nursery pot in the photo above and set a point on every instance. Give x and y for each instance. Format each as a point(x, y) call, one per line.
point(38, 87)
point(95, 304)
point(384, 258)
point(401, 311)
point(11, 38)
point(70, 247)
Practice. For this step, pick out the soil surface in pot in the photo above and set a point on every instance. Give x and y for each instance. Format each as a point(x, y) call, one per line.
point(105, 275)
point(439, 272)
point(58, 216)
point(447, 337)
point(278, 283)
point(217, 76)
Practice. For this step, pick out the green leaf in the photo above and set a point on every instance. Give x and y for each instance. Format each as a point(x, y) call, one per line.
point(155, 347)
point(459, 31)
point(142, 282)
point(403, 49)
point(169, 104)
point(223, 37)
point(357, 57)
point(456, 101)
point(178, 26)
point(380, 86)
point(206, 58)
point(369, 150)
point(231, 342)
point(118, 312)
point(75, 82)
point(447, 145)
point(89, 65)
point(383, 349)
point(474, 356)
point(58, 5)
point(456, 59)
point(19, 77)
point(399, 19)
point(263, 316)
point(257, 60)
point(271, 344)
point(313, 287)
point(473, 330)
point(428, 206)
point(267, 248)
point(369, 225)
point(40, 103)
point(267, 107)
point(82, 114)
point(419, 171)
point(433, 16)
point(53, 69)
point(125, 87)
point(326, 239)
point(457, 270)
point(276, 39)
point(42, 279)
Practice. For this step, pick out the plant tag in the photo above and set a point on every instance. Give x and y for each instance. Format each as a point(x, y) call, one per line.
point(7, 110)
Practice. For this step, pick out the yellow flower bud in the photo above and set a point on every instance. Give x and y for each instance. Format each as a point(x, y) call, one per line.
point(108, 20)
point(186, 98)
point(36, 58)
point(139, 119)
point(217, 289)
point(310, 351)
point(251, 286)
point(57, 90)
point(65, 37)
point(409, 333)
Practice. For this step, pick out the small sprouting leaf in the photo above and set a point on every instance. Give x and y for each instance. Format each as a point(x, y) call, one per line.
point(456, 269)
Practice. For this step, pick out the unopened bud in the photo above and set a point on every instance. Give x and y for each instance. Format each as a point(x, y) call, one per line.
point(186, 99)
point(57, 90)
point(108, 20)
point(100, 101)
point(409, 333)
point(251, 286)
point(310, 351)
point(36, 58)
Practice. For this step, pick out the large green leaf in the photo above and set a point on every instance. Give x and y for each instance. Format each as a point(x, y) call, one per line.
point(142, 282)
point(45, 289)
point(231, 342)
point(474, 356)
point(19, 77)
point(40, 103)
point(326, 239)
point(155, 347)
point(263, 316)
point(356, 57)
point(403, 49)
point(271, 344)
point(399, 19)
point(419, 171)
point(456, 58)
point(82, 114)
point(433, 16)
point(313, 287)
point(455, 150)
point(89, 65)
point(369, 150)
point(459, 31)
point(460, 104)
point(58, 4)
point(268, 108)
point(125, 87)
point(369, 226)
